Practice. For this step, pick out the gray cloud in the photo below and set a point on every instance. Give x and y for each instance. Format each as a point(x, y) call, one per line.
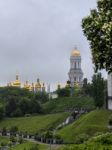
point(37, 36)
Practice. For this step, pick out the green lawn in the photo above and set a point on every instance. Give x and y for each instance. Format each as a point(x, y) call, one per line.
point(90, 124)
point(28, 145)
point(35, 123)
point(62, 104)
point(4, 140)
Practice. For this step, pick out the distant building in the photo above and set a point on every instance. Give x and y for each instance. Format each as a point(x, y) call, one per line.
point(53, 95)
point(15, 83)
point(75, 73)
point(34, 87)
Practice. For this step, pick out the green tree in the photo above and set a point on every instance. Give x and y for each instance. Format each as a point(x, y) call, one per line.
point(24, 105)
point(85, 86)
point(11, 105)
point(2, 112)
point(42, 97)
point(18, 102)
point(64, 92)
point(98, 90)
point(98, 29)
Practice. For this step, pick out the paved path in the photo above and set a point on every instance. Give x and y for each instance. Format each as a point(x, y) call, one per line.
point(51, 147)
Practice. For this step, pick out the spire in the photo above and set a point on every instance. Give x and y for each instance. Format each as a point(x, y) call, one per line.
point(75, 47)
point(17, 77)
point(43, 87)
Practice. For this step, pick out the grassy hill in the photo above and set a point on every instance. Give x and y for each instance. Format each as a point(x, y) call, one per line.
point(35, 123)
point(3, 140)
point(62, 104)
point(28, 145)
point(102, 142)
point(90, 124)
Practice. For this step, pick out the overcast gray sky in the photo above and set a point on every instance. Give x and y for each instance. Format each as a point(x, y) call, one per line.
point(37, 37)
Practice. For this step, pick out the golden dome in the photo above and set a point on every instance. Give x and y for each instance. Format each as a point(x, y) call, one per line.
point(16, 83)
point(75, 53)
point(27, 86)
point(38, 84)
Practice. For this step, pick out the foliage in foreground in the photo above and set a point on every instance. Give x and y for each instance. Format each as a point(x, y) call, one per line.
point(98, 30)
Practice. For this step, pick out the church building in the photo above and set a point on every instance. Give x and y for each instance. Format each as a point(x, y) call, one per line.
point(34, 87)
point(75, 73)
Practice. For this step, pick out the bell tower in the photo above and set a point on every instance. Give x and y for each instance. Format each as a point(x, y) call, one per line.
point(75, 73)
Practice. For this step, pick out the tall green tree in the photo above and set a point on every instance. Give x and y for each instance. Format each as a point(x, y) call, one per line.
point(98, 90)
point(2, 112)
point(98, 29)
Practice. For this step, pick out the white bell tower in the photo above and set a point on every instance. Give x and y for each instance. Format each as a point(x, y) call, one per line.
point(75, 73)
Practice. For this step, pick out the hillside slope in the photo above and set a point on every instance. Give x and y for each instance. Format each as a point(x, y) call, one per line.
point(35, 123)
point(101, 142)
point(62, 104)
point(90, 124)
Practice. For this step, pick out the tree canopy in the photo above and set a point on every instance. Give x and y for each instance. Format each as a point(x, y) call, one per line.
point(98, 29)
point(15, 102)
point(98, 90)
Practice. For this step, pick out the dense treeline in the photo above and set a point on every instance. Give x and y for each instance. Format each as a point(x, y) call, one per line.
point(96, 89)
point(17, 102)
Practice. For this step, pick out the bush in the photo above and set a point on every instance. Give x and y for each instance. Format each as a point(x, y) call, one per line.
point(3, 144)
point(17, 113)
point(48, 135)
point(20, 140)
point(9, 143)
point(13, 129)
point(81, 138)
point(104, 139)
point(64, 92)
point(13, 139)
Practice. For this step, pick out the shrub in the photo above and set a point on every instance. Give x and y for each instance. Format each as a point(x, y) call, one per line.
point(20, 140)
point(3, 144)
point(9, 143)
point(104, 139)
point(64, 92)
point(48, 135)
point(13, 139)
point(81, 138)
point(13, 129)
